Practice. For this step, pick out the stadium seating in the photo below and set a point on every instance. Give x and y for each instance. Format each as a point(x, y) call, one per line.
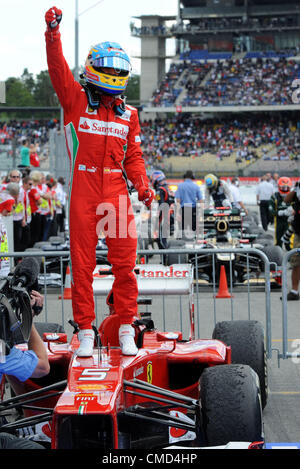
point(219, 79)
point(184, 141)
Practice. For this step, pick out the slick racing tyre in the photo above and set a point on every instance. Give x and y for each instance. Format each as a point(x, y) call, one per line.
point(253, 216)
point(254, 229)
point(174, 258)
point(41, 244)
point(230, 405)
point(56, 240)
point(275, 256)
point(50, 327)
point(246, 339)
point(265, 238)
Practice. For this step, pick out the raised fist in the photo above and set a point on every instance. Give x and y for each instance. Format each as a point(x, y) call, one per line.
point(53, 18)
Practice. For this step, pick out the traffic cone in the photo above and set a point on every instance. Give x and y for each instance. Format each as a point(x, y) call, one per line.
point(223, 288)
point(67, 289)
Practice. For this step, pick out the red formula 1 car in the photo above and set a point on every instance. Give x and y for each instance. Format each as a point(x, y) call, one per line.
point(195, 392)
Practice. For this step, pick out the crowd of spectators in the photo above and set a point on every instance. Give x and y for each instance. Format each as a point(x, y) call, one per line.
point(167, 92)
point(244, 82)
point(236, 23)
point(37, 204)
point(36, 131)
point(185, 135)
point(161, 29)
point(15, 135)
point(221, 23)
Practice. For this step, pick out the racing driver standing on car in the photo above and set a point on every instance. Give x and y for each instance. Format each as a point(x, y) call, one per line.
point(103, 141)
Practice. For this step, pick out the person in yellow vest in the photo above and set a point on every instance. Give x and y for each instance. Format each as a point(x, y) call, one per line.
point(18, 214)
point(18, 219)
point(54, 204)
point(44, 208)
point(35, 202)
point(26, 186)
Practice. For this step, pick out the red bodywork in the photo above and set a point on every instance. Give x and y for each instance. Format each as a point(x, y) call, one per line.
point(95, 385)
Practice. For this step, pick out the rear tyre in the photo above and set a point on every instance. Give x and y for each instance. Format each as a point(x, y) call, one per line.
point(246, 339)
point(176, 258)
point(230, 405)
point(50, 327)
point(275, 256)
point(56, 240)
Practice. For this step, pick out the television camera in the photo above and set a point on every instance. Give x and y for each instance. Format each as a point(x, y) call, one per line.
point(16, 311)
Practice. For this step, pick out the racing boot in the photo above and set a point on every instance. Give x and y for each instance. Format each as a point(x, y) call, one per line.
point(86, 338)
point(126, 339)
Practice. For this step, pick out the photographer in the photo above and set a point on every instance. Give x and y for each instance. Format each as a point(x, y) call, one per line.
point(28, 363)
point(24, 364)
point(293, 198)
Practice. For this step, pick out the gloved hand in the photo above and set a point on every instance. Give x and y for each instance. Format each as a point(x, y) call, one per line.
point(285, 212)
point(281, 213)
point(145, 195)
point(53, 18)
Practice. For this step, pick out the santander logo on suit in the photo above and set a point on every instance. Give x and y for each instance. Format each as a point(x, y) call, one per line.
point(95, 126)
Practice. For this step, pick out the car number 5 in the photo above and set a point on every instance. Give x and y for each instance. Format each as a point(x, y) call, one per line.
point(90, 374)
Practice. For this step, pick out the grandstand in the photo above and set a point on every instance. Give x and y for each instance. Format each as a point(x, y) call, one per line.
point(236, 61)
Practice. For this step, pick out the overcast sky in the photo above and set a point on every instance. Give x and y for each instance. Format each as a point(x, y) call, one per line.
point(22, 27)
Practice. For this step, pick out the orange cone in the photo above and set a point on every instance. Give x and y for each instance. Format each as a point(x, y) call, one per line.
point(67, 289)
point(223, 288)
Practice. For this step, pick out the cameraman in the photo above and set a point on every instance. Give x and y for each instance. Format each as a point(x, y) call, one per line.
point(293, 198)
point(31, 363)
point(28, 363)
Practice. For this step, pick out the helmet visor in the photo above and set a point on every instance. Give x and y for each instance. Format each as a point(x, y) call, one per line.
point(284, 188)
point(112, 62)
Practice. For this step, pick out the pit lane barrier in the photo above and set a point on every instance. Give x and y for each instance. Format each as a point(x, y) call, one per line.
point(285, 354)
point(156, 279)
point(164, 286)
point(213, 252)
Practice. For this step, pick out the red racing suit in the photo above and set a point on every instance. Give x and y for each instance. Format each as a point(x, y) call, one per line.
point(99, 144)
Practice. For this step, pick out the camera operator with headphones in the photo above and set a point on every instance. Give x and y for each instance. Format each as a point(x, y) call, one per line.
point(22, 364)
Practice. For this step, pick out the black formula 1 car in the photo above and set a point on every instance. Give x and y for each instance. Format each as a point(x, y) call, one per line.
point(223, 229)
point(53, 268)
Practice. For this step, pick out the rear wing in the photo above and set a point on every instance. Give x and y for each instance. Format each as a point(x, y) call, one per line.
point(152, 279)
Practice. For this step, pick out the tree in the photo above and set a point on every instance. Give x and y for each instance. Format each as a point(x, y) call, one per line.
point(133, 89)
point(28, 80)
point(44, 94)
point(17, 93)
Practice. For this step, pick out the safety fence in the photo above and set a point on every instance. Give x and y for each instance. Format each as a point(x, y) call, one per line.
point(181, 297)
point(285, 354)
